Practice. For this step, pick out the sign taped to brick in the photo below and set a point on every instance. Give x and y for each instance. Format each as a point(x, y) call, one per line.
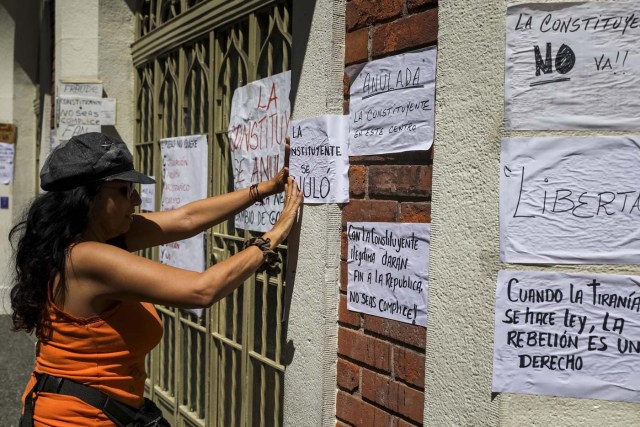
point(567, 334)
point(388, 265)
point(391, 105)
point(319, 158)
point(573, 66)
point(260, 118)
point(570, 200)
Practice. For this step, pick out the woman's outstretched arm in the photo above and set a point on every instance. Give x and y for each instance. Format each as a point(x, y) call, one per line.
point(157, 228)
point(100, 271)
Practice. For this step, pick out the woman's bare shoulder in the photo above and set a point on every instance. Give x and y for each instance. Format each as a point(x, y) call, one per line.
point(93, 257)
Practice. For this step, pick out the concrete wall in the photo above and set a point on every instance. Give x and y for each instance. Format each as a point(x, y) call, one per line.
point(116, 34)
point(93, 42)
point(309, 395)
point(76, 39)
point(18, 105)
point(91, 37)
point(7, 32)
point(25, 106)
point(465, 248)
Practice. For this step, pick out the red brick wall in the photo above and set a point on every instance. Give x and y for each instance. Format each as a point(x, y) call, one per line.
point(380, 361)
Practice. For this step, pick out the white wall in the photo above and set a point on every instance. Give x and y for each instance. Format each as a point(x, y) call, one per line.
point(310, 380)
point(115, 67)
point(76, 35)
point(93, 42)
point(465, 248)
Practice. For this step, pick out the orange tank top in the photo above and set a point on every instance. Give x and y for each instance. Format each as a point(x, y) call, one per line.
point(106, 352)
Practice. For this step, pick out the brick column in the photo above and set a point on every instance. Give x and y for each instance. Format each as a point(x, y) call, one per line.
point(380, 368)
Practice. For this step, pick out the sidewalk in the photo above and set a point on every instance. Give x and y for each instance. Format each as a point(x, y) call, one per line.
point(16, 363)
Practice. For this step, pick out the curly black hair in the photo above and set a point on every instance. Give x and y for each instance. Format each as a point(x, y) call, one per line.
point(54, 221)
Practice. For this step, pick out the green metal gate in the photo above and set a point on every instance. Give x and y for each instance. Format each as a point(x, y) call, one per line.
point(224, 369)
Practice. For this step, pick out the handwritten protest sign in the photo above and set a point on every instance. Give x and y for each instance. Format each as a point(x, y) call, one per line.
point(7, 154)
point(260, 114)
point(392, 104)
point(80, 89)
point(81, 109)
point(184, 177)
point(573, 66)
point(319, 158)
point(108, 112)
point(570, 200)
point(148, 197)
point(567, 334)
point(77, 116)
point(388, 268)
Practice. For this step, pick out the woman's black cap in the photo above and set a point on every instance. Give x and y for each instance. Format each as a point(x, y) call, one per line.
point(86, 159)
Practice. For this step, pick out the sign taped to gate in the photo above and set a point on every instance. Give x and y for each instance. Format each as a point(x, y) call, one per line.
point(184, 169)
point(260, 115)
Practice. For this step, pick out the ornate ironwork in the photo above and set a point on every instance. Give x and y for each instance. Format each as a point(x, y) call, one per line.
point(224, 369)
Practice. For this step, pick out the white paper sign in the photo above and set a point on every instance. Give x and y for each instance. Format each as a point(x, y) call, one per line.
point(84, 90)
point(573, 66)
point(148, 197)
point(184, 168)
point(260, 114)
point(7, 153)
point(319, 158)
point(53, 141)
point(392, 104)
point(108, 112)
point(573, 335)
point(570, 200)
point(77, 116)
point(388, 267)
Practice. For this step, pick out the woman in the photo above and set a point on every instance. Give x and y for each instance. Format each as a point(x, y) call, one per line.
point(89, 300)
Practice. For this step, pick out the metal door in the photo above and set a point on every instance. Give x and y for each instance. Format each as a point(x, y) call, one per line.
point(224, 369)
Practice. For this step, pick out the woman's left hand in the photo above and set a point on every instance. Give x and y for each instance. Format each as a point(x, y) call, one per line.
point(277, 183)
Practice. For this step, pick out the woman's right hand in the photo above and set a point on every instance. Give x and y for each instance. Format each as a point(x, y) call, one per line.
point(292, 201)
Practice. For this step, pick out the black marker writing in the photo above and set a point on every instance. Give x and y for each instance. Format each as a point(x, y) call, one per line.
point(377, 84)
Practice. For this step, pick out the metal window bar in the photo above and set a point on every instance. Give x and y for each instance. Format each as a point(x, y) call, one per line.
point(155, 13)
point(223, 369)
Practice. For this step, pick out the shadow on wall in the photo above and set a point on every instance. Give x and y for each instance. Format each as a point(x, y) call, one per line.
point(302, 15)
point(33, 44)
point(26, 19)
